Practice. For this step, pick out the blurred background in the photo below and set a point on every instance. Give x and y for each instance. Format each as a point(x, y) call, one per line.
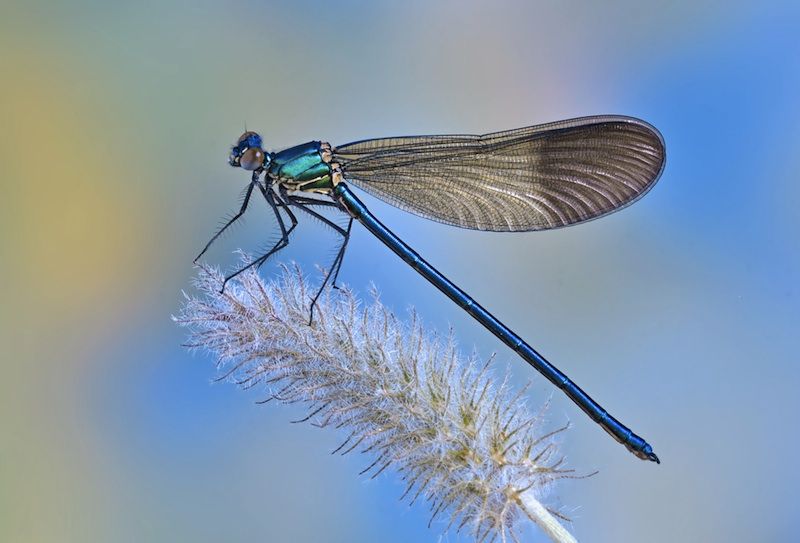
point(679, 314)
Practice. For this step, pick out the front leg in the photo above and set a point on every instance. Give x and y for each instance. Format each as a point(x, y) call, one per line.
point(233, 219)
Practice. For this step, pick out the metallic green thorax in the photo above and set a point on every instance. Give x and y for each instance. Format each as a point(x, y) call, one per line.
point(302, 168)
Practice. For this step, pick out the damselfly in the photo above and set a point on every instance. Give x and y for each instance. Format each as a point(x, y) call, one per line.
point(534, 178)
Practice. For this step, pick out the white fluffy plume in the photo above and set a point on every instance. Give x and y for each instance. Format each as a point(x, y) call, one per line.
point(467, 445)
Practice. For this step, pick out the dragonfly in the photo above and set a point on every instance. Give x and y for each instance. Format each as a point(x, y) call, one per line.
point(535, 178)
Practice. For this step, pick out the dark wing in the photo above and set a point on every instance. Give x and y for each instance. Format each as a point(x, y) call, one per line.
point(534, 178)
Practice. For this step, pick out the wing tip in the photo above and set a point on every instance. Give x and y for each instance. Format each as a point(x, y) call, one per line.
point(660, 145)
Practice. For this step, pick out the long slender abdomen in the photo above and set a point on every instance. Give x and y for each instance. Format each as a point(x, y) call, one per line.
point(616, 429)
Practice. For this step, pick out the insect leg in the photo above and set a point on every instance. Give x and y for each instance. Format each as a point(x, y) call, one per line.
point(312, 202)
point(341, 252)
point(304, 204)
point(230, 222)
point(275, 202)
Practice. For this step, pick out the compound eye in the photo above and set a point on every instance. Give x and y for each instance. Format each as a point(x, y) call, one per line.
point(244, 137)
point(252, 159)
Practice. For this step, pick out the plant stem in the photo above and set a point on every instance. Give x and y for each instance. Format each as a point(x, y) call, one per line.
point(543, 518)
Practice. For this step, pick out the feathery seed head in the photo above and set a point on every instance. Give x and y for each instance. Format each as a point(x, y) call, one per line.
point(405, 396)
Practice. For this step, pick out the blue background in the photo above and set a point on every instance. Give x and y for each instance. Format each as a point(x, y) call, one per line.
point(680, 314)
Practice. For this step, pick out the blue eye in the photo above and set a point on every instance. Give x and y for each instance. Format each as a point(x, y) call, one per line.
point(254, 141)
point(248, 139)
